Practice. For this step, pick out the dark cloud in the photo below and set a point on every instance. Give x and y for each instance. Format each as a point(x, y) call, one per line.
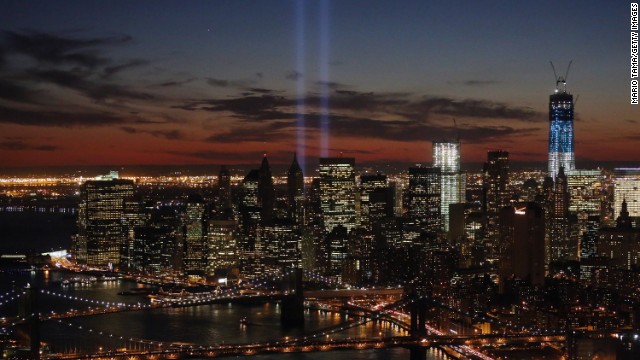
point(260, 90)
point(175, 83)
point(472, 108)
point(395, 116)
point(218, 82)
point(109, 71)
point(54, 49)
point(20, 145)
point(293, 75)
point(480, 83)
point(81, 82)
point(224, 156)
point(166, 134)
point(332, 85)
point(10, 90)
point(58, 119)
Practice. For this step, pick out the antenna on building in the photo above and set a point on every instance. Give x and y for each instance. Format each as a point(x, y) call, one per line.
point(561, 79)
point(455, 126)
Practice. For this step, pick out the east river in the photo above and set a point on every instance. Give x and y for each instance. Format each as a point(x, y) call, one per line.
point(192, 326)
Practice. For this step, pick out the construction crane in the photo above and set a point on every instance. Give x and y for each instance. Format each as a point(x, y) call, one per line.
point(561, 79)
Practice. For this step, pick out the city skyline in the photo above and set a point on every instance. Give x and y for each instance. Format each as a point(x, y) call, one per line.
point(90, 84)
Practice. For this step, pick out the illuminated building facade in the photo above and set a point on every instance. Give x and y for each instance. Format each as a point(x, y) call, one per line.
point(561, 150)
point(194, 237)
point(585, 191)
point(102, 233)
point(446, 156)
point(338, 207)
point(621, 244)
point(370, 184)
point(627, 188)
point(222, 248)
point(338, 192)
point(424, 199)
point(496, 190)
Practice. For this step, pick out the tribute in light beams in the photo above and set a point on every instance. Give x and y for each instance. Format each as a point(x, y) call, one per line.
point(300, 86)
point(324, 78)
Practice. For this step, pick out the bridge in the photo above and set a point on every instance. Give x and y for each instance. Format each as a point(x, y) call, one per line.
point(409, 314)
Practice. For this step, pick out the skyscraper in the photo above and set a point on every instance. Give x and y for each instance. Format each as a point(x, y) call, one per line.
point(194, 237)
point(224, 192)
point(561, 152)
point(338, 208)
point(522, 248)
point(101, 229)
point(560, 245)
point(495, 191)
point(295, 190)
point(496, 182)
point(424, 198)
point(338, 192)
point(266, 192)
point(446, 156)
point(627, 189)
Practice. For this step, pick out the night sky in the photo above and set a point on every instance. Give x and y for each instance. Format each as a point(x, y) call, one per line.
point(213, 82)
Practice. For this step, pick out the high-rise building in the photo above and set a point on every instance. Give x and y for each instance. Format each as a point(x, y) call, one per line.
point(338, 207)
point(424, 199)
point(621, 244)
point(496, 182)
point(223, 205)
point(338, 192)
point(369, 183)
point(446, 156)
point(522, 245)
point(627, 189)
point(102, 232)
point(295, 191)
point(222, 248)
point(560, 246)
point(194, 237)
point(496, 192)
point(585, 191)
point(561, 153)
point(266, 191)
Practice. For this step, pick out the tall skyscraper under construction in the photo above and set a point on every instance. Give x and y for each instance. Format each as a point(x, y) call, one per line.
point(561, 153)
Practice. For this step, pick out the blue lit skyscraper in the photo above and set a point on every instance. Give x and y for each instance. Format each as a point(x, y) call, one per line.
point(561, 153)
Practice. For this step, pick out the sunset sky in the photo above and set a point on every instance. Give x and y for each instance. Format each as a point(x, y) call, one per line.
point(212, 82)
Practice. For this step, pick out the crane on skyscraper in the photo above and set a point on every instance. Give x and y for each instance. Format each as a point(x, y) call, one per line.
point(560, 79)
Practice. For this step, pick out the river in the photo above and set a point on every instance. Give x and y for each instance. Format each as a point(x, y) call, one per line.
point(201, 325)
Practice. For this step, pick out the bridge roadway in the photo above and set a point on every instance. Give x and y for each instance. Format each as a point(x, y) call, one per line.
point(195, 300)
point(315, 345)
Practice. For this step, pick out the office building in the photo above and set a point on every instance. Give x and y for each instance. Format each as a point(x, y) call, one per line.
point(295, 191)
point(446, 157)
point(627, 189)
point(424, 199)
point(102, 233)
point(194, 237)
point(338, 193)
point(522, 248)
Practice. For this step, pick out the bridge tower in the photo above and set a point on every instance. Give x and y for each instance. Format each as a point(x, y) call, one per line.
point(418, 324)
point(292, 311)
point(28, 333)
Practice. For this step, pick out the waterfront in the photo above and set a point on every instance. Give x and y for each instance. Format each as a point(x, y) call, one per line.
point(202, 325)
